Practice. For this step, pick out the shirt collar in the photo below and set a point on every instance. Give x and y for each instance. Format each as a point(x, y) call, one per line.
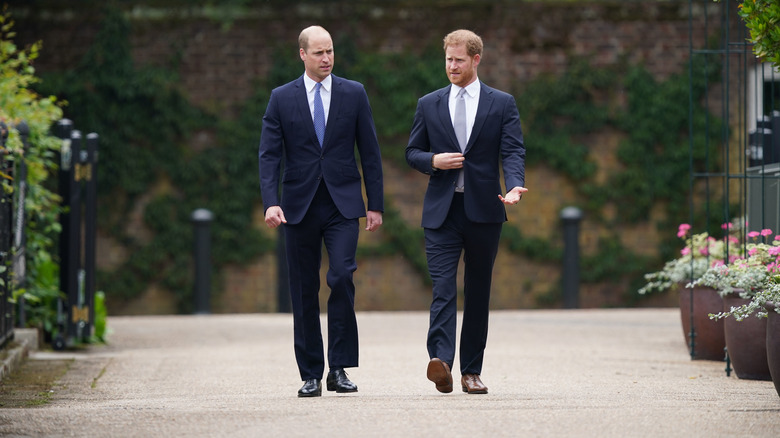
point(471, 89)
point(310, 83)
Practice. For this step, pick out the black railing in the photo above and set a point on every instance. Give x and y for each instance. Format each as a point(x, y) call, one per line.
point(6, 249)
point(77, 251)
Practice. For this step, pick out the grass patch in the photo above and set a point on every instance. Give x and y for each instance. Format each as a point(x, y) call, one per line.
point(33, 383)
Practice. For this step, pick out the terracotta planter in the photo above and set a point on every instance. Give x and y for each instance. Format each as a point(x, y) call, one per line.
point(773, 346)
point(709, 340)
point(746, 342)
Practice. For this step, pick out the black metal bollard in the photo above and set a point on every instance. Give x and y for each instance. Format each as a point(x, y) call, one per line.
point(202, 219)
point(63, 130)
point(89, 164)
point(78, 189)
point(70, 265)
point(571, 218)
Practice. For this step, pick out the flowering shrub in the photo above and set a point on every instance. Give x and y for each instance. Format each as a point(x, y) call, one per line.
point(700, 253)
point(747, 274)
point(760, 303)
point(754, 276)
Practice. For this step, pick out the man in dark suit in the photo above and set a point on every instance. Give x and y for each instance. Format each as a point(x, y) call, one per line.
point(459, 135)
point(311, 126)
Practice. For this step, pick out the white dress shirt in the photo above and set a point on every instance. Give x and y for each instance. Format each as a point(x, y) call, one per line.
point(325, 90)
point(471, 98)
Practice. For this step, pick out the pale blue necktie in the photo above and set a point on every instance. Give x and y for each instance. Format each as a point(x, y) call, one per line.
point(459, 123)
point(319, 114)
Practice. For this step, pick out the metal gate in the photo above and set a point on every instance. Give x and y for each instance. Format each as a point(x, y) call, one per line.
point(739, 180)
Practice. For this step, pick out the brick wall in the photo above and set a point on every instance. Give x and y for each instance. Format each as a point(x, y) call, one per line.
point(218, 64)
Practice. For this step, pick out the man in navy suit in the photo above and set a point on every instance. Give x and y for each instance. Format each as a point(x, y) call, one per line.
point(311, 128)
point(459, 135)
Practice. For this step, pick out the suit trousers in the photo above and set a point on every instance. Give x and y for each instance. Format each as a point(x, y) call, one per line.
point(323, 223)
point(478, 242)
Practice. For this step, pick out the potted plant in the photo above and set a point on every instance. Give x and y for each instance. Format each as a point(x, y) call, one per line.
point(769, 299)
point(764, 305)
point(701, 251)
point(738, 284)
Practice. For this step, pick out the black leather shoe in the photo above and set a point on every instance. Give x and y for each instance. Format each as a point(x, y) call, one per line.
point(311, 388)
point(339, 382)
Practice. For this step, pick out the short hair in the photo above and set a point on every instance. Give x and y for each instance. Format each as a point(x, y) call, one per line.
point(303, 38)
point(468, 38)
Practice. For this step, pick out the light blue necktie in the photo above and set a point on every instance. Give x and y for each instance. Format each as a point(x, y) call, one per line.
point(319, 114)
point(459, 123)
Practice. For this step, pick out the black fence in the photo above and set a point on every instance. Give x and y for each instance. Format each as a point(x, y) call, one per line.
point(6, 249)
point(77, 185)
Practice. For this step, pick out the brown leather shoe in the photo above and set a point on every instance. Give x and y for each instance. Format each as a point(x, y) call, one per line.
point(439, 373)
point(472, 384)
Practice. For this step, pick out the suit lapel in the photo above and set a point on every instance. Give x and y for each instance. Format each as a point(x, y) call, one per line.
point(335, 105)
point(445, 118)
point(485, 101)
point(302, 103)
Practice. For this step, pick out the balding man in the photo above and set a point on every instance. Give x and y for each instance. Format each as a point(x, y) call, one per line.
point(313, 124)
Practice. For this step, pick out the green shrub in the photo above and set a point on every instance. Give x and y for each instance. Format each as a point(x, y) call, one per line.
point(18, 102)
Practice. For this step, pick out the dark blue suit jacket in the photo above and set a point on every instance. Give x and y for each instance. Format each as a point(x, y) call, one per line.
point(288, 132)
point(496, 136)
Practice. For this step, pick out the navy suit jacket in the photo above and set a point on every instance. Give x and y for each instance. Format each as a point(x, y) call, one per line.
point(496, 136)
point(288, 133)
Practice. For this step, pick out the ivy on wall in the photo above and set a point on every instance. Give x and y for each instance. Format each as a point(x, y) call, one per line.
point(654, 156)
point(146, 123)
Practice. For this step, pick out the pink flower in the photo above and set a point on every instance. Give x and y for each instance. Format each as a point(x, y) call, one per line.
point(726, 226)
point(682, 230)
point(718, 263)
point(752, 251)
point(704, 251)
point(685, 251)
point(753, 234)
point(766, 232)
point(775, 250)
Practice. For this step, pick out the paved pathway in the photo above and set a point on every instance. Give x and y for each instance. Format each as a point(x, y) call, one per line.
point(572, 373)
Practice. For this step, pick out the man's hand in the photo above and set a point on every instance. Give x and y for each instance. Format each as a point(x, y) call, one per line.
point(373, 220)
point(274, 217)
point(514, 195)
point(448, 160)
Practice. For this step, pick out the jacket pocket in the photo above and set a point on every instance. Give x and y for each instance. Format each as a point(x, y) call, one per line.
point(350, 172)
point(291, 175)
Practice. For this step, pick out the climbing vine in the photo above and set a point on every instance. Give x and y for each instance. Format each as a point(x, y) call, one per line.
point(19, 103)
point(146, 123)
point(653, 155)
